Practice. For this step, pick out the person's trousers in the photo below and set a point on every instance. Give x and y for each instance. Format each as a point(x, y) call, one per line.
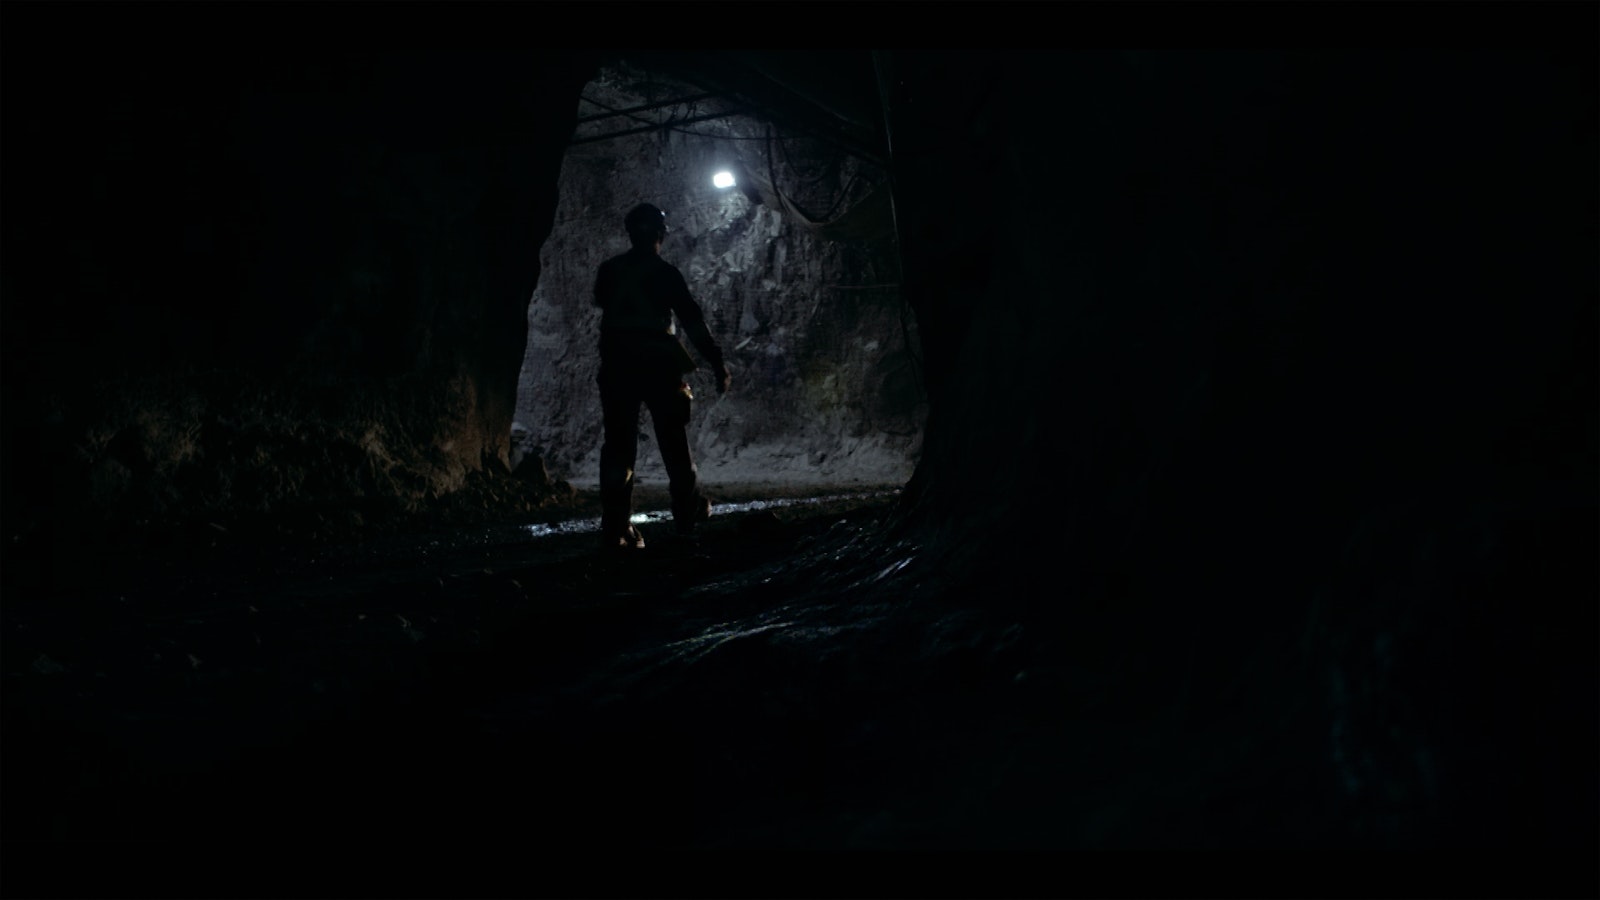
point(667, 399)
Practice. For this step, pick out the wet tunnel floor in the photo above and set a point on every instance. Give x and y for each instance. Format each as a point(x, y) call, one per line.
point(488, 681)
point(509, 683)
point(789, 681)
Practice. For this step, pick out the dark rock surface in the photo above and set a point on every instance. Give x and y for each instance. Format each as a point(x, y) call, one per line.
point(249, 280)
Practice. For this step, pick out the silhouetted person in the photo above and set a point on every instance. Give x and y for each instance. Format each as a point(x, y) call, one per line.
point(643, 362)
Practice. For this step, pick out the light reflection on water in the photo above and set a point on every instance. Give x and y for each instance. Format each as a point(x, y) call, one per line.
point(583, 526)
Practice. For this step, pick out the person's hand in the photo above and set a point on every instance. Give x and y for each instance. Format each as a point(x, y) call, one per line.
point(724, 379)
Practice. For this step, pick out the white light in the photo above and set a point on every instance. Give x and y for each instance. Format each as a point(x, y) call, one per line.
point(723, 179)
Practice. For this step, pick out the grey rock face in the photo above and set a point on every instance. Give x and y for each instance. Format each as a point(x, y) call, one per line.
point(822, 350)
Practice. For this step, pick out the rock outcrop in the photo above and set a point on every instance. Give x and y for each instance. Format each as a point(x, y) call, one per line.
point(252, 283)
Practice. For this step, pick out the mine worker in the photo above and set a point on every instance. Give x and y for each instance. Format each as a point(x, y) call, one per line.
point(643, 361)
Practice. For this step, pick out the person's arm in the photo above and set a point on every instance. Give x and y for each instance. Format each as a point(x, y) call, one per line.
point(693, 320)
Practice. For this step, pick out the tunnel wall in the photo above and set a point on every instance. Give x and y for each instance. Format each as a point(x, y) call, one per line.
point(280, 278)
point(1279, 363)
point(1258, 284)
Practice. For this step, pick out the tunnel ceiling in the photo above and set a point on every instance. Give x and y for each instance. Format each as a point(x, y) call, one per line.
point(828, 95)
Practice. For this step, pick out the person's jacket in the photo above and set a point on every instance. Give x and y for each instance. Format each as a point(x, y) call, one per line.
point(639, 293)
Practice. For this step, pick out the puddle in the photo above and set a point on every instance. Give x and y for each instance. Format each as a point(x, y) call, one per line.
point(583, 526)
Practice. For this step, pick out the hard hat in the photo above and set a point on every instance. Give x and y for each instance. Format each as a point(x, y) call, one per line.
point(645, 219)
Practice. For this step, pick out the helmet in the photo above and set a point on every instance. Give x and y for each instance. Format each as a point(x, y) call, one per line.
point(645, 221)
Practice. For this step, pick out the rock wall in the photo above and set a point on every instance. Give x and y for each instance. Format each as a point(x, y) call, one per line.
point(822, 349)
point(1279, 366)
point(265, 281)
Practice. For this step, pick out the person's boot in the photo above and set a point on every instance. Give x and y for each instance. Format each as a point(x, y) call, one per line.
point(621, 542)
point(616, 507)
point(687, 515)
